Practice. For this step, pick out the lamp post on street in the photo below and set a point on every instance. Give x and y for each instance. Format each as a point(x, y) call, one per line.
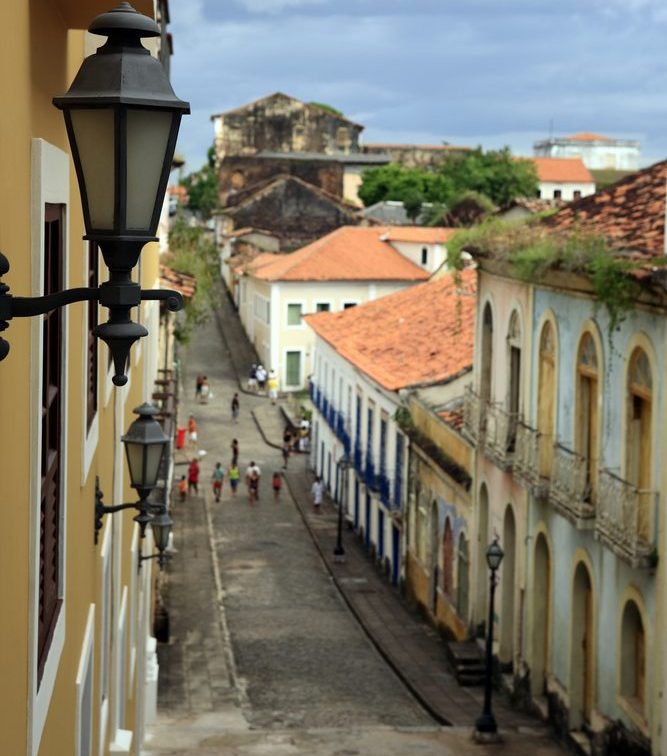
point(343, 464)
point(485, 726)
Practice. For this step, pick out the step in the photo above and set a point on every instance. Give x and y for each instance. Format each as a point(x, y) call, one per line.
point(581, 742)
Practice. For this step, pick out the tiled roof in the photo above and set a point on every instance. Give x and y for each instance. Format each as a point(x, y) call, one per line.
point(562, 170)
point(630, 213)
point(419, 336)
point(453, 417)
point(533, 204)
point(182, 282)
point(350, 253)
point(587, 136)
point(419, 234)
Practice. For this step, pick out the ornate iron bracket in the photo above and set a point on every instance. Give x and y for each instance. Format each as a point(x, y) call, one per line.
point(119, 294)
point(144, 516)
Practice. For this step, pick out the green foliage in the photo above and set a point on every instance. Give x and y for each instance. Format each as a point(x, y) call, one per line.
point(496, 175)
point(193, 252)
point(533, 250)
point(328, 108)
point(202, 186)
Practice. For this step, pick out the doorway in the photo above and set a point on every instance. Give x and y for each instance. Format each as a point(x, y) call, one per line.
point(582, 649)
point(507, 580)
point(541, 615)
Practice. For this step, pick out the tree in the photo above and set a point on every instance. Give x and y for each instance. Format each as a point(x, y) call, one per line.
point(202, 186)
point(496, 175)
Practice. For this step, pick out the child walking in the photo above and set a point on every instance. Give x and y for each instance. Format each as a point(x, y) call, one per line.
point(182, 488)
point(216, 479)
point(276, 482)
point(234, 477)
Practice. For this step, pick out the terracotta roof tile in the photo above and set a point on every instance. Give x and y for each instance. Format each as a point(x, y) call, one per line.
point(453, 417)
point(563, 170)
point(587, 136)
point(420, 234)
point(630, 213)
point(350, 253)
point(418, 336)
point(182, 282)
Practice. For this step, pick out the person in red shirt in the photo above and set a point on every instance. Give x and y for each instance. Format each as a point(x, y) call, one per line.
point(193, 477)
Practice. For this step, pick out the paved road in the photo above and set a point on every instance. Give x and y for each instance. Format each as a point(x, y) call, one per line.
point(264, 656)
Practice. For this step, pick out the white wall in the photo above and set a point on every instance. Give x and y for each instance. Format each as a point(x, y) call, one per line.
point(436, 254)
point(567, 189)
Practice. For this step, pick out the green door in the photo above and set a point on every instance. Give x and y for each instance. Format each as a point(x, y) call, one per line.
point(293, 369)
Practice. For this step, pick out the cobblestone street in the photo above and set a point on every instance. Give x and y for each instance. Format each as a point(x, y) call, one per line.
point(265, 656)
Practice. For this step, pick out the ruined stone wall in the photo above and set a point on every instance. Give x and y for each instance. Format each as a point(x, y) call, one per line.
point(414, 155)
point(283, 124)
point(294, 214)
point(239, 174)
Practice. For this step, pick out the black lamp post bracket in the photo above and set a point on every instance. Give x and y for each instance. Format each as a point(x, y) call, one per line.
point(119, 294)
point(144, 516)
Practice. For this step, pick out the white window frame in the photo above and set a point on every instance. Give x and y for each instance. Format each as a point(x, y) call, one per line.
point(104, 634)
point(262, 309)
point(326, 302)
point(301, 324)
point(49, 184)
point(84, 680)
point(301, 367)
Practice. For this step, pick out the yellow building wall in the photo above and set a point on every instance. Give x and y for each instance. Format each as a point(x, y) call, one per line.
point(39, 57)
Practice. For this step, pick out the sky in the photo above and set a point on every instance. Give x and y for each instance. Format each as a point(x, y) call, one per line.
point(469, 72)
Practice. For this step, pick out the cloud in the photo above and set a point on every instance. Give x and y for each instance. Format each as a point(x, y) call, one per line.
point(464, 71)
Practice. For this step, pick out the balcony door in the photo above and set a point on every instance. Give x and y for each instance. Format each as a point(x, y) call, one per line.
point(639, 446)
point(487, 355)
point(588, 414)
point(546, 400)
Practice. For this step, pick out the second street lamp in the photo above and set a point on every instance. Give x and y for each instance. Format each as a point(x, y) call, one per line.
point(485, 726)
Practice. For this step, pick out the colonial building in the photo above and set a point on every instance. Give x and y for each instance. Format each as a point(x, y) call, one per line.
point(566, 412)
point(279, 134)
point(598, 152)
point(76, 648)
point(345, 268)
point(563, 178)
point(368, 360)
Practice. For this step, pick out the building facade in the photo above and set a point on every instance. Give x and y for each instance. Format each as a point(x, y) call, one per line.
point(76, 648)
point(598, 152)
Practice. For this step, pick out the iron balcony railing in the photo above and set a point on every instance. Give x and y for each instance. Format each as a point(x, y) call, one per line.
point(325, 407)
point(358, 458)
point(531, 458)
point(370, 477)
point(500, 435)
point(626, 519)
point(570, 490)
point(385, 488)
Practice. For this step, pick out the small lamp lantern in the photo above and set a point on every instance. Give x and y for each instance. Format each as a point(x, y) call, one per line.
point(161, 525)
point(494, 555)
point(122, 120)
point(145, 444)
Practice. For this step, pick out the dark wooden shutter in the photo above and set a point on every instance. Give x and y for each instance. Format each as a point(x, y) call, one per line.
point(91, 372)
point(49, 536)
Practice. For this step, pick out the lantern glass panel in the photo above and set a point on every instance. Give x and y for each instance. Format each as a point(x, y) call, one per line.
point(161, 526)
point(147, 139)
point(135, 461)
point(153, 459)
point(94, 136)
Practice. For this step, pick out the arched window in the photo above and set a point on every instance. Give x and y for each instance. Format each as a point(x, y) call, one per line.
point(639, 435)
point(487, 354)
point(633, 657)
point(514, 393)
point(546, 398)
point(448, 559)
point(588, 383)
point(462, 577)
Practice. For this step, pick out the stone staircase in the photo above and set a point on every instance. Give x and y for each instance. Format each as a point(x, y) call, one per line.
point(467, 662)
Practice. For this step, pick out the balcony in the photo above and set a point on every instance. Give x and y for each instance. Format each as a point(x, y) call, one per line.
point(527, 459)
point(500, 435)
point(473, 416)
point(370, 478)
point(383, 483)
point(570, 491)
point(325, 407)
point(358, 458)
point(626, 521)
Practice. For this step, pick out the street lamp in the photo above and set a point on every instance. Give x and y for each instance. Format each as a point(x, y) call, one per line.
point(122, 120)
point(161, 525)
point(145, 444)
point(343, 464)
point(485, 725)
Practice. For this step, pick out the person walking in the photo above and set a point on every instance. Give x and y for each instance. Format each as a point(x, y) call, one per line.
point(182, 488)
point(253, 473)
point(317, 490)
point(285, 452)
point(276, 483)
point(193, 477)
point(261, 377)
point(253, 488)
point(217, 478)
point(205, 391)
point(236, 406)
point(198, 383)
point(192, 431)
point(234, 477)
point(235, 451)
point(252, 378)
point(273, 386)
